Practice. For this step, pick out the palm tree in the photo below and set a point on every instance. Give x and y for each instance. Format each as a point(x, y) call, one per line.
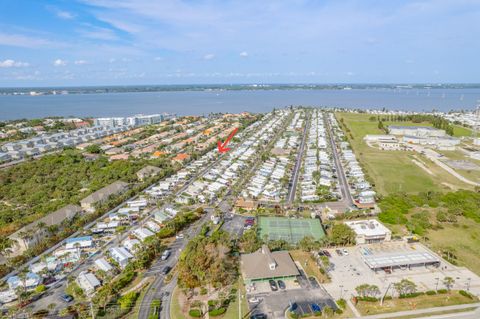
point(448, 282)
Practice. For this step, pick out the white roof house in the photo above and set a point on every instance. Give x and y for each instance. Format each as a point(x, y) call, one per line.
point(152, 226)
point(31, 281)
point(369, 231)
point(142, 233)
point(88, 282)
point(120, 255)
point(79, 242)
point(132, 245)
point(103, 264)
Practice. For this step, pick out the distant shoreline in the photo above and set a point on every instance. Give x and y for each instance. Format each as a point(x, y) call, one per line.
point(62, 90)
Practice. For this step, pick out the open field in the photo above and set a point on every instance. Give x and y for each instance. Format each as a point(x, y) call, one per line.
point(394, 171)
point(420, 302)
point(464, 238)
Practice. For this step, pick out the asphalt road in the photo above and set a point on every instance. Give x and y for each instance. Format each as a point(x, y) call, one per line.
point(346, 201)
point(298, 164)
point(157, 289)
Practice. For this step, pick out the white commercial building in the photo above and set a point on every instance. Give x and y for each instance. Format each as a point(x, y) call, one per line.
point(369, 231)
point(423, 131)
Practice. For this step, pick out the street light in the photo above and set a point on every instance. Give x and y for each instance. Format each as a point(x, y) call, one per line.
point(468, 283)
point(341, 291)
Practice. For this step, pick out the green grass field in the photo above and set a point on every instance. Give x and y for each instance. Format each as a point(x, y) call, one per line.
point(394, 171)
point(420, 302)
point(288, 229)
point(463, 238)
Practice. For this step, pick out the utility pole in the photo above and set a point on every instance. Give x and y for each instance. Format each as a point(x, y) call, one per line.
point(436, 285)
point(385, 294)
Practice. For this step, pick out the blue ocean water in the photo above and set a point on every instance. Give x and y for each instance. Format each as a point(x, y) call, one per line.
point(204, 102)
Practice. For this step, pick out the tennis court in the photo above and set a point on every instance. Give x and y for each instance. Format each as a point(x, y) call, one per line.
point(289, 229)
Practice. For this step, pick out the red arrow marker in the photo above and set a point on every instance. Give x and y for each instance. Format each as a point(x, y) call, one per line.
point(222, 148)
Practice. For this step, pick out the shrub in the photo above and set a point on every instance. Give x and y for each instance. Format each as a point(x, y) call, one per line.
point(412, 295)
point(196, 313)
point(442, 291)
point(341, 303)
point(217, 312)
point(431, 292)
point(369, 299)
point(465, 294)
point(203, 291)
point(339, 311)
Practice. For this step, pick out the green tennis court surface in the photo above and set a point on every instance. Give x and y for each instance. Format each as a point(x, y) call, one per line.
point(289, 229)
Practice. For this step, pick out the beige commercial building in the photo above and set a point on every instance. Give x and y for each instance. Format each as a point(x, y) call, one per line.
point(264, 265)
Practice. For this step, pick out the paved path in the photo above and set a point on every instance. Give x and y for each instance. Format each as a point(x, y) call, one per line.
point(298, 164)
point(347, 200)
point(423, 311)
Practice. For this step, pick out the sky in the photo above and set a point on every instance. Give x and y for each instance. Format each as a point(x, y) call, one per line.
point(129, 42)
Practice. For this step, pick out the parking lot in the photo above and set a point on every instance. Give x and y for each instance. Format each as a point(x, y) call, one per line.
point(305, 293)
point(350, 271)
point(274, 304)
point(234, 224)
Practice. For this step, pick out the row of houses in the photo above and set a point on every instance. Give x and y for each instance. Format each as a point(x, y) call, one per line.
point(318, 168)
point(267, 184)
point(219, 178)
point(361, 190)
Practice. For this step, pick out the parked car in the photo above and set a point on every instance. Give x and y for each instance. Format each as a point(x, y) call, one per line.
point(281, 284)
point(315, 307)
point(166, 270)
point(345, 252)
point(339, 252)
point(66, 298)
point(166, 254)
point(254, 300)
point(327, 253)
point(179, 236)
point(259, 316)
point(273, 285)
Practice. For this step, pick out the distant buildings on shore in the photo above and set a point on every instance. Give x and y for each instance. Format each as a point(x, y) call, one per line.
point(135, 120)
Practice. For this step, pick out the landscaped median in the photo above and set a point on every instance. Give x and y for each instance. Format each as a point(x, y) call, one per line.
point(418, 300)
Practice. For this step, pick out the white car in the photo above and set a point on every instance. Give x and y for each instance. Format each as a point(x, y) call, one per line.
point(254, 300)
point(345, 252)
point(166, 254)
point(180, 236)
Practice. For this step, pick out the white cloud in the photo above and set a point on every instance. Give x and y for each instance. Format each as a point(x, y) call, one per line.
point(65, 15)
point(98, 33)
point(158, 58)
point(18, 40)
point(12, 64)
point(59, 62)
point(209, 56)
point(244, 54)
point(80, 62)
